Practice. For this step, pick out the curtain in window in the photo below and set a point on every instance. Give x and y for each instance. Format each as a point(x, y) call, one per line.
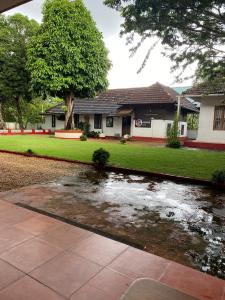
point(219, 119)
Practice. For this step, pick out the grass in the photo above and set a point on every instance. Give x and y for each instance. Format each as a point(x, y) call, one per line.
point(183, 162)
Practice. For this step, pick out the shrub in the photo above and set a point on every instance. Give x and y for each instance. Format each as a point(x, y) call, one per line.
point(85, 127)
point(30, 152)
point(173, 135)
point(218, 177)
point(101, 157)
point(174, 144)
point(123, 141)
point(93, 134)
point(83, 138)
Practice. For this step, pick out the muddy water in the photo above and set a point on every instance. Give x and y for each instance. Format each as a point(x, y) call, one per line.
point(181, 222)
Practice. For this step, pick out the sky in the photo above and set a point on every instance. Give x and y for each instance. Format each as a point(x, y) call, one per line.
point(123, 73)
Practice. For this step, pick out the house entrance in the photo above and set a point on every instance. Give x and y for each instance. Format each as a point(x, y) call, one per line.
point(126, 125)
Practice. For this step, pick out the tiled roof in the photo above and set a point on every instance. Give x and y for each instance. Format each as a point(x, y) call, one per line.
point(156, 93)
point(110, 101)
point(87, 106)
point(206, 89)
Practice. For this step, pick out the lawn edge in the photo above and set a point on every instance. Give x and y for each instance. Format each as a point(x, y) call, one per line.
point(175, 178)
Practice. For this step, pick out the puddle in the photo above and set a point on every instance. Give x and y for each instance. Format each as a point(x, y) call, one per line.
point(181, 222)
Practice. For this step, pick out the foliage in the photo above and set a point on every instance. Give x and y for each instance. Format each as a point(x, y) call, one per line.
point(123, 141)
point(100, 157)
point(174, 144)
point(93, 134)
point(31, 112)
point(85, 127)
point(218, 177)
point(192, 121)
point(15, 32)
point(30, 152)
point(83, 138)
point(68, 57)
point(173, 135)
point(192, 31)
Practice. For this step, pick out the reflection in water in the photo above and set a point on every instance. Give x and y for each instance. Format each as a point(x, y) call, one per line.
point(178, 221)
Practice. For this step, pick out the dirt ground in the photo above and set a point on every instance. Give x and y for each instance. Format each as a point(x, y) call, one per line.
point(137, 143)
point(18, 171)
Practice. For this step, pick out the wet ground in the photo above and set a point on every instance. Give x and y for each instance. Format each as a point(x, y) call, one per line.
point(181, 222)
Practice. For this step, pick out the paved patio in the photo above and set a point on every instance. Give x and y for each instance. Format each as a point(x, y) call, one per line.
point(43, 258)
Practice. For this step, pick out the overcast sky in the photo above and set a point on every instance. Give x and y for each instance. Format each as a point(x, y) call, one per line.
point(124, 71)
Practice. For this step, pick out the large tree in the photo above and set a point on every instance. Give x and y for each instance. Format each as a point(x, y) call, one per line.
point(68, 57)
point(15, 32)
point(192, 31)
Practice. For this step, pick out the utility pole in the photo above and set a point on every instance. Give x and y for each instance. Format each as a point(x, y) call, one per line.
point(178, 106)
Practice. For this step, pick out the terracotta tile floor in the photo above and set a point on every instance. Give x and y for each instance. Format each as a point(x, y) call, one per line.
point(42, 258)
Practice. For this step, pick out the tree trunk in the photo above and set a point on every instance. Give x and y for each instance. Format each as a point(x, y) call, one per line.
point(19, 112)
point(2, 123)
point(69, 118)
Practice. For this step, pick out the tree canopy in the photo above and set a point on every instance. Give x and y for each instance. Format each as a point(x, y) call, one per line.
point(192, 31)
point(15, 32)
point(68, 58)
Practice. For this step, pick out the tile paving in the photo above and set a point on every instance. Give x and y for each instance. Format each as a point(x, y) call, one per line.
point(42, 258)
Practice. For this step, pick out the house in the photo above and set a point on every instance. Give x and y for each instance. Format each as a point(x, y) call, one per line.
point(143, 113)
point(6, 5)
point(211, 130)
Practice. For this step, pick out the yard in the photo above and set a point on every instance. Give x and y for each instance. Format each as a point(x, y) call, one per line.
point(184, 162)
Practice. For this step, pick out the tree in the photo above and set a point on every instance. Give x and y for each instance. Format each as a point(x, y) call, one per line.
point(15, 32)
point(192, 31)
point(32, 112)
point(68, 57)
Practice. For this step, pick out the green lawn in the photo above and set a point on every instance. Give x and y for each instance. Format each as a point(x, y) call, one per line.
point(193, 163)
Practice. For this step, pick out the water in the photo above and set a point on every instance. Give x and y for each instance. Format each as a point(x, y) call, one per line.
point(181, 222)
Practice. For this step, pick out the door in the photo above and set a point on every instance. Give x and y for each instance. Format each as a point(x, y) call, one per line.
point(126, 125)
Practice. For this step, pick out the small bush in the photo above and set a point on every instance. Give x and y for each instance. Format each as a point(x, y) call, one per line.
point(83, 138)
point(123, 141)
point(173, 135)
point(85, 127)
point(174, 144)
point(30, 152)
point(93, 134)
point(101, 157)
point(218, 177)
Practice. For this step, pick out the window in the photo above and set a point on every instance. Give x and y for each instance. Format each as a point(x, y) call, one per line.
point(109, 121)
point(53, 121)
point(61, 118)
point(219, 118)
point(169, 127)
point(98, 121)
point(76, 120)
point(182, 130)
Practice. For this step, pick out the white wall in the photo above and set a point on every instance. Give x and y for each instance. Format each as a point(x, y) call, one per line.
point(206, 133)
point(15, 126)
point(116, 129)
point(158, 127)
point(48, 124)
point(11, 125)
